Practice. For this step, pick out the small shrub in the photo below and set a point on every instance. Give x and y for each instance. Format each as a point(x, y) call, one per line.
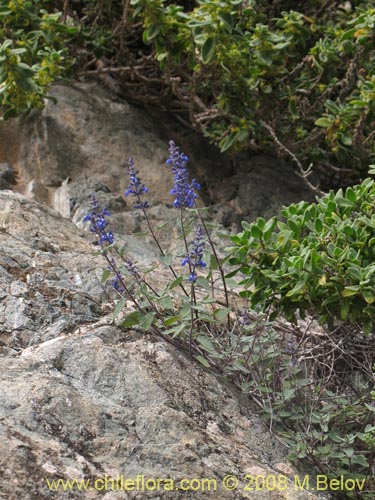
point(319, 258)
point(314, 387)
point(32, 54)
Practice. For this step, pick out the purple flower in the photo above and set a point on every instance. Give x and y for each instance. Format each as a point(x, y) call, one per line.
point(182, 189)
point(118, 278)
point(131, 268)
point(116, 282)
point(98, 222)
point(195, 257)
point(136, 188)
point(292, 349)
point(244, 319)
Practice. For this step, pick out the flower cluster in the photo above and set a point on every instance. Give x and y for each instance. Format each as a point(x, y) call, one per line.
point(292, 349)
point(117, 282)
point(194, 258)
point(118, 279)
point(98, 222)
point(183, 190)
point(131, 267)
point(244, 319)
point(136, 188)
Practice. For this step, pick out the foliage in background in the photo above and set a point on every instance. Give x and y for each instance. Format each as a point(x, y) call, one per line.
point(283, 76)
point(302, 70)
point(317, 262)
point(296, 78)
point(32, 53)
point(319, 259)
point(314, 386)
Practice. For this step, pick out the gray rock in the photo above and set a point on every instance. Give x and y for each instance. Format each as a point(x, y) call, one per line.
point(83, 399)
point(88, 136)
point(37, 191)
point(260, 187)
point(87, 131)
point(79, 397)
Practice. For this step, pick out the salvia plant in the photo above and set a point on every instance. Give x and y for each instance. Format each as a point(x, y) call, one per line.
point(314, 386)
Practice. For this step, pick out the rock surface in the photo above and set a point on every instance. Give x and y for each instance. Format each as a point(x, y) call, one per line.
point(82, 399)
point(87, 136)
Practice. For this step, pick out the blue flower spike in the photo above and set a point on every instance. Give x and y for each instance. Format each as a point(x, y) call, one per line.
point(98, 222)
point(183, 189)
point(136, 188)
point(195, 257)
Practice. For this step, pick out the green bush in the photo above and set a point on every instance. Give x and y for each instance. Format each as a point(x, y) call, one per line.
point(303, 69)
point(318, 258)
point(316, 389)
point(32, 53)
point(284, 77)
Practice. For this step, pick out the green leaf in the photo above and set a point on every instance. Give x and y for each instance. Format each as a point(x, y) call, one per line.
point(345, 309)
point(151, 33)
point(323, 122)
point(120, 304)
point(292, 107)
point(227, 20)
point(175, 331)
point(368, 296)
point(269, 227)
point(294, 227)
point(175, 283)
point(242, 135)
point(106, 274)
point(288, 393)
point(27, 84)
point(208, 50)
point(131, 319)
point(297, 289)
point(350, 194)
point(349, 452)
point(22, 70)
point(348, 35)
point(166, 259)
point(349, 291)
point(146, 320)
point(18, 51)
point(265, 56)
point(202, 282)
point(359, 103)
point(6, 44)
point(166, 302)
point(203, 361)
point(222, 313)
point(247, 226)
point(195, 23)
point(256, 232)
point(171, 320)
point(205, 343)
point(360, 460)
point(318, 225)
point(3, 89)
point(9, 113)
point(344, 202)
point(227, 142)
point(213, 262)
point(346, 139)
